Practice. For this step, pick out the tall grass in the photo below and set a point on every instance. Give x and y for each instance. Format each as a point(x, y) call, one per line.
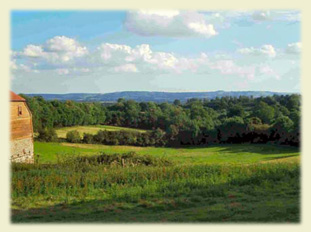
point(130, 177)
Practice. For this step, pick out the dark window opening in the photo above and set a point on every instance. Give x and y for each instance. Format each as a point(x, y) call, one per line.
point(20, 112)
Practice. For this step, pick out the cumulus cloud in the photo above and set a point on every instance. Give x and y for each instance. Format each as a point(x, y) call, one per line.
point(169, 23)
point(224, 19)
point(142, 55)
point(294, 48)
point(267, 50)
point(33, 51)
point(57, 49)
point(205, 24)
point(109, 51)
point(121, 59)
point(175, 23)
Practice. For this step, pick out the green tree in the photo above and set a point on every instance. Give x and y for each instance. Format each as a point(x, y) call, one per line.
point(265, 112)
point(177, 102)
point(283, 123)
point(236, 110)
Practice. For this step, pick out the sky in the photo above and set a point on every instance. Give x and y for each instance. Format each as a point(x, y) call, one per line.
point(145, 50)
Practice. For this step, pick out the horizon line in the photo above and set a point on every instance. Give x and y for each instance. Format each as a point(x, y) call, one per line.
point(167, 92)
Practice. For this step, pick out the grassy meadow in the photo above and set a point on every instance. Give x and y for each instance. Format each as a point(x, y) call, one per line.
point(224, 154)
point(228, 183)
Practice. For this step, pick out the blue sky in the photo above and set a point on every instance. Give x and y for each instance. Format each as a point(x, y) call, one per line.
point(108, 51)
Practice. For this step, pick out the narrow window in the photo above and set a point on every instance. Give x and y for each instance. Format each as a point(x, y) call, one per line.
point(20, 112)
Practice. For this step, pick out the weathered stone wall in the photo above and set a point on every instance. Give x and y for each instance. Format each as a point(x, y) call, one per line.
point(22, 150)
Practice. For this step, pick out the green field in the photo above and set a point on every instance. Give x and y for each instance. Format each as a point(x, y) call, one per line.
point(61, 132)
point(227, 183)
point(225, 154)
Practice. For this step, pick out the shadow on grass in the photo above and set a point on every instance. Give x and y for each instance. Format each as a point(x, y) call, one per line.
point(281, 157)
point(264, 149)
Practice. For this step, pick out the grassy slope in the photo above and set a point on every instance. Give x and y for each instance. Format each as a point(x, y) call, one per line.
point(61, 132)
point(190, 191)
point(228, 154)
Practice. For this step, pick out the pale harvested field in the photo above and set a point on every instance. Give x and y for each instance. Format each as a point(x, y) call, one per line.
point(61, 132)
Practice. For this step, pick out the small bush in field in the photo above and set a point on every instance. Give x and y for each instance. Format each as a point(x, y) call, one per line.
point(125, 159)
point(47, 135)
point(73, 136)
point(88, 138)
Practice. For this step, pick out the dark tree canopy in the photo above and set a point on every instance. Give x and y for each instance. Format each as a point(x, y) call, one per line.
point(198, 121)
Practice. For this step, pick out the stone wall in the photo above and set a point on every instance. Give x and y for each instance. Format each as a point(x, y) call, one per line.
point(22, 150)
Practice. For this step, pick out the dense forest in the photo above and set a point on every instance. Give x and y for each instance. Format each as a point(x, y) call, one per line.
point(271, 119)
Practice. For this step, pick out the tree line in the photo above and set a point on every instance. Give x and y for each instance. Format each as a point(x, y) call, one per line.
point(274, 119)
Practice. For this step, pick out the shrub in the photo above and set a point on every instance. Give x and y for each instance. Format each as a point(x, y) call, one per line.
point(47, 135)
point(87, 138)
point(73, 136)
point(125, 159)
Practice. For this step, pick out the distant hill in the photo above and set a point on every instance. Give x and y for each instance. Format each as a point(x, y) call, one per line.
point(152, 96)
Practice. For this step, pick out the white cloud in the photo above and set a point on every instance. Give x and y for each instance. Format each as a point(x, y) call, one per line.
point(169, 23)
point(128, 68)
point(224, 19)
point(294, 48)
point(142, 55)
point(57, 49)
point(122, 59)
point(13, 64)
point(33, 51)
point(65, 44)
point(175, 23)
point(15, 67)
point(267, 50)
point(109, 51)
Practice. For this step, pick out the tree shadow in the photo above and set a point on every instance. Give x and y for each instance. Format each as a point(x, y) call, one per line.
point(281, 157)
point(263, 149)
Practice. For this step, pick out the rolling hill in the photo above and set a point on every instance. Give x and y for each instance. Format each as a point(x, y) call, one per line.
point(152, 96)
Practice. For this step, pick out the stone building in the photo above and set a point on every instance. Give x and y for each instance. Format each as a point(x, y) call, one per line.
point(21, 131)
